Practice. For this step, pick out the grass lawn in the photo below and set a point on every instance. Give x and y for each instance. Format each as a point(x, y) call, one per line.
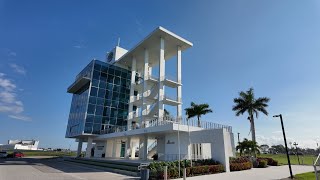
point(282, 158)
point(305, 176)
point(46, 153)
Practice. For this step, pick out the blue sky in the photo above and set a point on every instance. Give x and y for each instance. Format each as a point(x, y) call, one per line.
point(273, 46)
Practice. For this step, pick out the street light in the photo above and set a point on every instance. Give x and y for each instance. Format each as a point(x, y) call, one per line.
point(296, 144)
point(285, 143)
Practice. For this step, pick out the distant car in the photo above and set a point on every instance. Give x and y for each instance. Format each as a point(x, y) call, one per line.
point(16, 155)
point(3, 154)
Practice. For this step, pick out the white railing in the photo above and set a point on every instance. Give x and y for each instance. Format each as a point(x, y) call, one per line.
point(315, 164)
point(170, 120)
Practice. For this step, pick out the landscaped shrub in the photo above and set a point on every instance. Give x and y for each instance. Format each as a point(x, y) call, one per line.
point(239, 164)
point(157, 168)
point(262, 163)
point(216, 169)
point(270, 161)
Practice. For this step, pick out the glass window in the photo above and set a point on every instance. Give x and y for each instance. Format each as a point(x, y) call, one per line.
point(117, 73)
point(96, 75)
point(97, 67)
point(117, 80)
point(89, 118)
point(104, 69)
point(107, 102)
point(101, 93)
point(111, 70)
point(99, 110)
point(96, 129)
point(88, 128)
point(94, 91)
point(113, 121)
point(92, 100)
point(105, 120)
point(110, 78)
point(100, 101)
point(103, 84)
point(98, 119)
point(95, 82)
point(91, 109)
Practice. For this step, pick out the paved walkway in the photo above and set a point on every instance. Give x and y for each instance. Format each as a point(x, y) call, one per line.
point(52, 169)
point(272, 172)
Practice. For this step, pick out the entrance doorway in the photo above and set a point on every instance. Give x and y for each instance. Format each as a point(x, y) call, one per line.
point(123, 149)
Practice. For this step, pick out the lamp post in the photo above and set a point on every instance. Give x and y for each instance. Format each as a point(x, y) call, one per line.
point(296, 144)
point(285, 143)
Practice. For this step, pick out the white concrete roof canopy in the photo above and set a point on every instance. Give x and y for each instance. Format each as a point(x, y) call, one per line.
point(152, 43)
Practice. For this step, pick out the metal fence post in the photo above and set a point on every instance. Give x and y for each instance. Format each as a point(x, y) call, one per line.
point(165, 172)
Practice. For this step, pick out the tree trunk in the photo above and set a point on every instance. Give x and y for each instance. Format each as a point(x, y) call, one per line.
point(253, 133)
point(199, 124)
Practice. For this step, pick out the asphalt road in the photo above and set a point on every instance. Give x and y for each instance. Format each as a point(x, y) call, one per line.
point(52, 169)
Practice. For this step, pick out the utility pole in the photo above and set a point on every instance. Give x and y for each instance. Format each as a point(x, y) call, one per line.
point(285, 143)
point(296, 144)
point(238, 137)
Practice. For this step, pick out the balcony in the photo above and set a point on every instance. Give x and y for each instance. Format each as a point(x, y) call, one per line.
point(171, 81)
point(76, 86)
point(173, 101)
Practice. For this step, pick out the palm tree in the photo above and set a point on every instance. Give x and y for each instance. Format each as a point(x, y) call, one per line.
point(248, 147)
point(197, 110)
point(247, 103)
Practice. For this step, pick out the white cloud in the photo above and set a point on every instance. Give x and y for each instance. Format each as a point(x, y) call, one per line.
point(20, 117)
point(80, 44)
point(276, 140)
point(18, 69)
point(9, 102)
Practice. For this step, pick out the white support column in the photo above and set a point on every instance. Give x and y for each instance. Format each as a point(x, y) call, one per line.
point(133, 83)
point(161, 79)
point(114, 148)
point(143, 147)
point(89, 147)
point(106, 149)
point(79, 148)
point(128, 148)
point(179, 88)
point(145, 84)
point(219, 148)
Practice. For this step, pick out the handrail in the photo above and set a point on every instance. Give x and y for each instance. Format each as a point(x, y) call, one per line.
point(153, 145)
point(151, 89)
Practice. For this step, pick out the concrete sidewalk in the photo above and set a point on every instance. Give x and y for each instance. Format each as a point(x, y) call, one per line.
point(272, 172)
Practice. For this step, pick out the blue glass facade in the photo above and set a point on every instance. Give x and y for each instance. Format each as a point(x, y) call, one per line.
point(101, 104)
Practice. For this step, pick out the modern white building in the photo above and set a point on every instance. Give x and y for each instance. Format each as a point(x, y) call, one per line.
point(20, 145)
point(118, 107)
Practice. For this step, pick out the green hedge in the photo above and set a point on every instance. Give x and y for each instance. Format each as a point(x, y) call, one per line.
point(190, 171)
point(270, 161)
point(262, 163)
point(199, 167)
point(239, 164)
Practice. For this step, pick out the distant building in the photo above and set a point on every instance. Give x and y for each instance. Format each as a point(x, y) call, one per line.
point(20, 144)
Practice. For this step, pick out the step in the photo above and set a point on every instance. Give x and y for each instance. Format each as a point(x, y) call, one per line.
point(125, 168)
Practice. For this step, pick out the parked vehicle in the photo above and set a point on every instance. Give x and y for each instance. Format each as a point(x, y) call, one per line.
point(3, 154)
point(16, 155)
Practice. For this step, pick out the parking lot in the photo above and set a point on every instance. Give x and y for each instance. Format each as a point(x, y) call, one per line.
point(41, 168)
